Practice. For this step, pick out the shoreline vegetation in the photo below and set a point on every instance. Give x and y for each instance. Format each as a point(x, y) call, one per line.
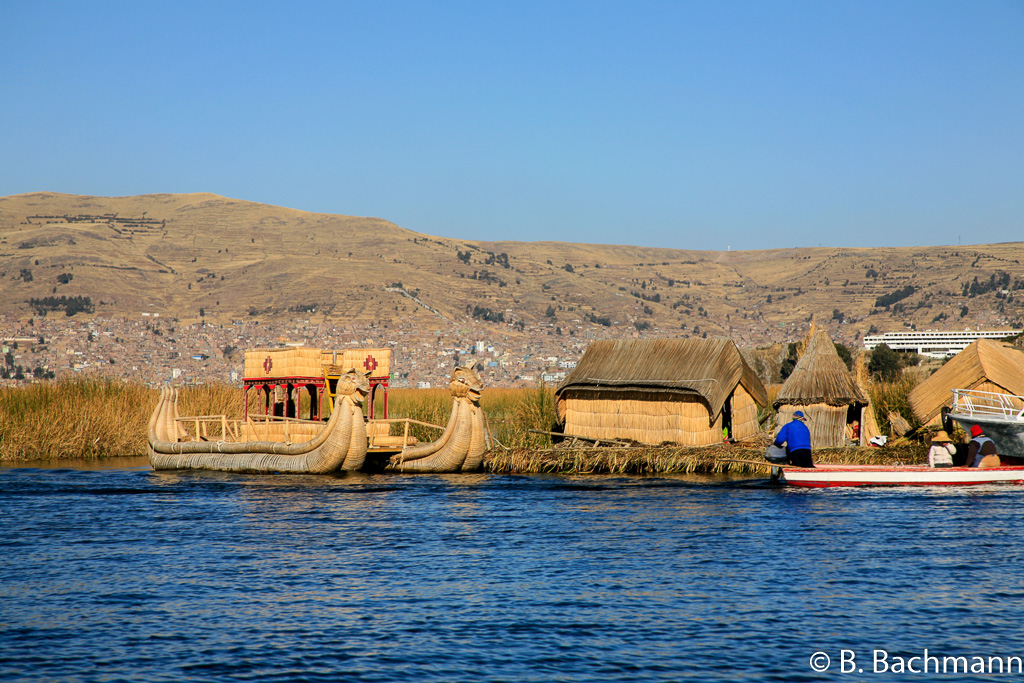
point(94, 419)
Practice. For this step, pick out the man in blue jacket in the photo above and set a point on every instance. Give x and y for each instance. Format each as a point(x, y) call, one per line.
point(797, 438)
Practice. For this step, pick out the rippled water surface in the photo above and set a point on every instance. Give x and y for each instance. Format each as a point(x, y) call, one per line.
point(129, 574)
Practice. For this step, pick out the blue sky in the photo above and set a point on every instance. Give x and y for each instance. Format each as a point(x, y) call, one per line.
point(707, 125)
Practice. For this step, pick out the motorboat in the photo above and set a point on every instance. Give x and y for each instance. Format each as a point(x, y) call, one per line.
point(1000, 416)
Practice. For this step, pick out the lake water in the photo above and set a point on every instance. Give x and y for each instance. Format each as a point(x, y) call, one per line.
point(133, 575)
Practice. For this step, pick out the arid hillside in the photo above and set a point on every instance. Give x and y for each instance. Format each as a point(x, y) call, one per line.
point(201, 256)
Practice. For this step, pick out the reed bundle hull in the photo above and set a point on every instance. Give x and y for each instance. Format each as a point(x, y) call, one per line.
point(340, 445)
point(465, 441)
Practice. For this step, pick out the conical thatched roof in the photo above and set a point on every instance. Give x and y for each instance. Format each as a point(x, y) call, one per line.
point(820, 376)
point(984, 361)
point(710, 368)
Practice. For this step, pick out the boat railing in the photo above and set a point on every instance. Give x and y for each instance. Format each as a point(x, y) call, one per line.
point(203, 425)
point(220, 427)
point(971, 403)
point(407, 421)
point(206, 427)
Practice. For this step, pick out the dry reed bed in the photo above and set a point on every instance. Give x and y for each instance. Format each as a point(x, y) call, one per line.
point(92, 418)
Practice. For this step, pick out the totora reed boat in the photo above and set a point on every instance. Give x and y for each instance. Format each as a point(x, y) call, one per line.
point(465, 440)
point(260, 447)
point(1001, 417)
point(280, 441)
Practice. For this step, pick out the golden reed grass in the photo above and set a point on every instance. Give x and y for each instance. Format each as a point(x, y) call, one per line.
point(892, 396)
point(92, 418)
point(75, 418)
point(511, 413)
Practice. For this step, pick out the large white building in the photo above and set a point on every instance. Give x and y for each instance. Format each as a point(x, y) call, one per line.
point(934, 344)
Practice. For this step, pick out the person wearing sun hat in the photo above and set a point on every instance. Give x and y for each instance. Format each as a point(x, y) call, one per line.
point(942, 451)
point(797, 438)
point(980, 448)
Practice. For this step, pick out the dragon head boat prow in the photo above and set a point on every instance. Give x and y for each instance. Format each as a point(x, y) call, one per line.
point(466, 383)
point(354, 385)
point(465, 441)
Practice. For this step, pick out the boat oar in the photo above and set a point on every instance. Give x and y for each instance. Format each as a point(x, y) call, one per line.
point(764, 463)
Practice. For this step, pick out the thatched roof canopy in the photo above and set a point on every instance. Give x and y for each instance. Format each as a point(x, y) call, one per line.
point(710, 368)
point(820, 376)
point(983, 361)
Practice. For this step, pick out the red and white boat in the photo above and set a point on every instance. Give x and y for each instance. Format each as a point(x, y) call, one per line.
point(1001, 416)
point(898, 475)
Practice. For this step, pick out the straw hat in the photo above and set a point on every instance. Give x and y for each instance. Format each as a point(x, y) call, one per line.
point(941, 437)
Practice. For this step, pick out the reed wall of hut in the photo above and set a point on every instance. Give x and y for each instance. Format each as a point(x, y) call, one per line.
point(654, 417)
point(661, 391)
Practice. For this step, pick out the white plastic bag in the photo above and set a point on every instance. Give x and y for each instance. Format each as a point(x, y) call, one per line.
point(775, 453)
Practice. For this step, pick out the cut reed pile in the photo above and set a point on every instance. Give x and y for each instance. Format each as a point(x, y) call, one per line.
point(663, 460)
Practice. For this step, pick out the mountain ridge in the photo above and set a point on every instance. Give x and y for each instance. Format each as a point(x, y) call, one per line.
point(201, 256)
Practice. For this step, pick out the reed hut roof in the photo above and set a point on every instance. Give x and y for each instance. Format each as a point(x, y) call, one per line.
point(710, 368)
point(820, 376)
point(983, 361)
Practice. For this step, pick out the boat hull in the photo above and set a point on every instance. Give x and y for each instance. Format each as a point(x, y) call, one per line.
point(1007, 434)
point(910, 475)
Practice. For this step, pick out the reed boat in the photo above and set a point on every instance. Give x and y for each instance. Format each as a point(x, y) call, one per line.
point(821, 476)
point(263, 447)
point(308, 418)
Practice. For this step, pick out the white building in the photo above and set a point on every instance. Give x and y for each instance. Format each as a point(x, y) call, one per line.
point(934, 344)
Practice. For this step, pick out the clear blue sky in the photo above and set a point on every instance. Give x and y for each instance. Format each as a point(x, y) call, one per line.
point(702, 125)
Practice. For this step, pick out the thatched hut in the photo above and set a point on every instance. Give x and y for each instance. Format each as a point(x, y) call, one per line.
point(985, 365)
point(655, 391)
point(826, 392)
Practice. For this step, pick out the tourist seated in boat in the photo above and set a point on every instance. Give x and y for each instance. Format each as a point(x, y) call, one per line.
point(797, 438)
point(981, 451)
point(942, 451)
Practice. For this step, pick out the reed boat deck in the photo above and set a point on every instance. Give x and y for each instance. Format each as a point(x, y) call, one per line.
point(220, 428)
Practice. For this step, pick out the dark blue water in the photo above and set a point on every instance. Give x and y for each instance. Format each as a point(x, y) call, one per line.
point(132, 575)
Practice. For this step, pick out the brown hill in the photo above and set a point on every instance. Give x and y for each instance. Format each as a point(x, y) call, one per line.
point(197, 255)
